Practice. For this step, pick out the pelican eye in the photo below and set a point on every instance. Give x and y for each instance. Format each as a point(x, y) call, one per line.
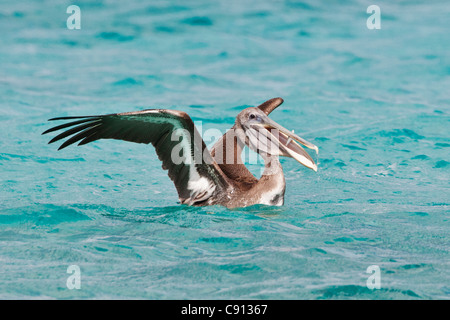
point(252, 116)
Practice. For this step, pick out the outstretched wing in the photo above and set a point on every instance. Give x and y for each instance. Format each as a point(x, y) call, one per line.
point(178, 145)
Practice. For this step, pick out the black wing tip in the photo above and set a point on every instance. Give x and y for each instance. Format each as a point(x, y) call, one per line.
point(61, 147)
point(72, 117)
point(66, 144)
point(72, 123)
point(53, 140)
point(82, 125)
point(60, 118)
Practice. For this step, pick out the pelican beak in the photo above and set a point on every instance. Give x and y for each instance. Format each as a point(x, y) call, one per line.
point(284, 142)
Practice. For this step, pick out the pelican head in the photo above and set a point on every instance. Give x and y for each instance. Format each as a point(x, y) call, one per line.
point(268, 138)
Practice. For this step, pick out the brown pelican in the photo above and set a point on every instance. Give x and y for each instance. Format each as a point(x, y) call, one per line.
point(202, 177)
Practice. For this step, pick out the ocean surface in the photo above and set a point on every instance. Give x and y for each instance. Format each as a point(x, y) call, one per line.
point(375, 102)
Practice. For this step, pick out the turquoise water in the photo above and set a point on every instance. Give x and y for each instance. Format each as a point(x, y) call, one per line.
point(376, 102)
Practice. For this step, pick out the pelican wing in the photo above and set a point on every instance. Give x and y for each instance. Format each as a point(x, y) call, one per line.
point(173, 134)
